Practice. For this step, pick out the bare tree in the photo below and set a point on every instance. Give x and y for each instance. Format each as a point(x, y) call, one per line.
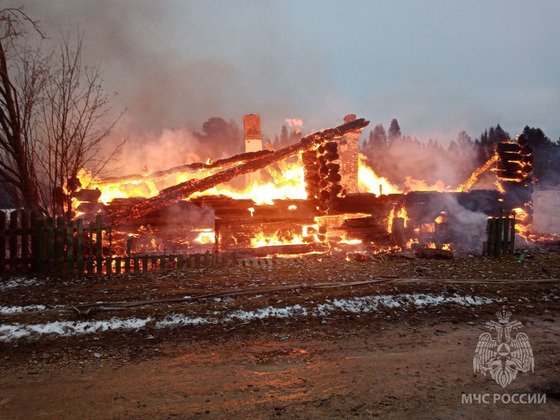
point(22, 77)
point(54, 118)
point(75, 121)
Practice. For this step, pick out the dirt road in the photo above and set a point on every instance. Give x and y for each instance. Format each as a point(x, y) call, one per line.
point(418, 365)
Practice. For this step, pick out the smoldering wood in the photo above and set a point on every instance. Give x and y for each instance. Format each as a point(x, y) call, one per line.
point(178, 192)
point(434, 254)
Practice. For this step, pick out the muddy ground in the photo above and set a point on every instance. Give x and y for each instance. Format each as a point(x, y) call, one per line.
point(410, 356)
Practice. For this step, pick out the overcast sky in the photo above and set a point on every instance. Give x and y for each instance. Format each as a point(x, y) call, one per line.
point(437, 66)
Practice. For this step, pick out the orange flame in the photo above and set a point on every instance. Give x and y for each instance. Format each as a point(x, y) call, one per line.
point(369, 181)
point(392, 215)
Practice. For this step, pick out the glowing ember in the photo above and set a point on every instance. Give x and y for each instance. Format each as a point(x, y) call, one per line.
point(261, 239)
point(347, 241)
point(441, 218)
point(205, 237)
point(251, 211)
point(411, 242)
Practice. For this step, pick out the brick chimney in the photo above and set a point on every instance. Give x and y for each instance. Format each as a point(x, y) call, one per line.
point(253, 141)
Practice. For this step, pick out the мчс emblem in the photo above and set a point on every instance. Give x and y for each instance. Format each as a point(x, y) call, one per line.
point(501, 353)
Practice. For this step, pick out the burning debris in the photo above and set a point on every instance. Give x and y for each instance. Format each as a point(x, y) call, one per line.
point(316, 195)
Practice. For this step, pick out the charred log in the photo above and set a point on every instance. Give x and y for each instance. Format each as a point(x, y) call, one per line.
point(189, 167)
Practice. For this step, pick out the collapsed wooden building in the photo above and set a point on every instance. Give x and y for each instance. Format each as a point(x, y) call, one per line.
point(334, 215)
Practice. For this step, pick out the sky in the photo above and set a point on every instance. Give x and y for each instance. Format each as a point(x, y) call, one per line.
point(439, 67)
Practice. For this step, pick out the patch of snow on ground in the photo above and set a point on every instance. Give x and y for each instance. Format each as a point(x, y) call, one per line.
point(9, 310)
point(16, 282)
point(181, 320)
point(363, 304)
point(66, 328)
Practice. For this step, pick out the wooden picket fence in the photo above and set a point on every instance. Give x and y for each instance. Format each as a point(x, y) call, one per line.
point(500, 235)
point(29, 243)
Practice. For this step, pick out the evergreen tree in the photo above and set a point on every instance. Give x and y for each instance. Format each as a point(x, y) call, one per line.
point(463, 140)
point(394, 130)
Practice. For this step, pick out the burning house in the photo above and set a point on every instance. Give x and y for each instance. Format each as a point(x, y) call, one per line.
point(316, 195)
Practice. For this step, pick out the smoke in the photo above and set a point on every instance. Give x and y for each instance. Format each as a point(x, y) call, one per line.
point(466, 217)
point(419, 164)
point(147, 151)
point(174, 64)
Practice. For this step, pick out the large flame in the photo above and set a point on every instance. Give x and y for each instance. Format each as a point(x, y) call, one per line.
point(369, 181)
point(287, 183)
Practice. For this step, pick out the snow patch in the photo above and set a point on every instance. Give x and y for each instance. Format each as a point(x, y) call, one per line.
point(364, 304)
point(10, 310)
point(66, 328)
point(14, 283)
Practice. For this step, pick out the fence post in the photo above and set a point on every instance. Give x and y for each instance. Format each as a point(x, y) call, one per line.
point(2, 241)
point(80, 246)
point(512, 234)
point(50, 243)
point(99, 243)
point(37, 243)
point(25, 234)
point(59, 247)
point(13, 238)
point(70, 261)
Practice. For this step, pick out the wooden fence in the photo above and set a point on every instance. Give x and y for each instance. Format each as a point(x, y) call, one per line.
point(500, 236)
point(55, 246)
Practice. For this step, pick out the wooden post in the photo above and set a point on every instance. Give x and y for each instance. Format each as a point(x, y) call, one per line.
point(109, 265)
point(13, 238)
point(136, 264)
point(144, 264)
point(498, 230)
point(50, 243)
point(2, 241)
point(180, 262)
point(60, 236)
point(118, 265)
point(40, 246)
point(80, 246)
point(505, 241)
point(25, 234)
point(489, 227)
point(70, 260)
point(217, 227)
point(89, 265)
point(512, 234)
point(206, 258)
point(127, 264)
point(99, 243)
